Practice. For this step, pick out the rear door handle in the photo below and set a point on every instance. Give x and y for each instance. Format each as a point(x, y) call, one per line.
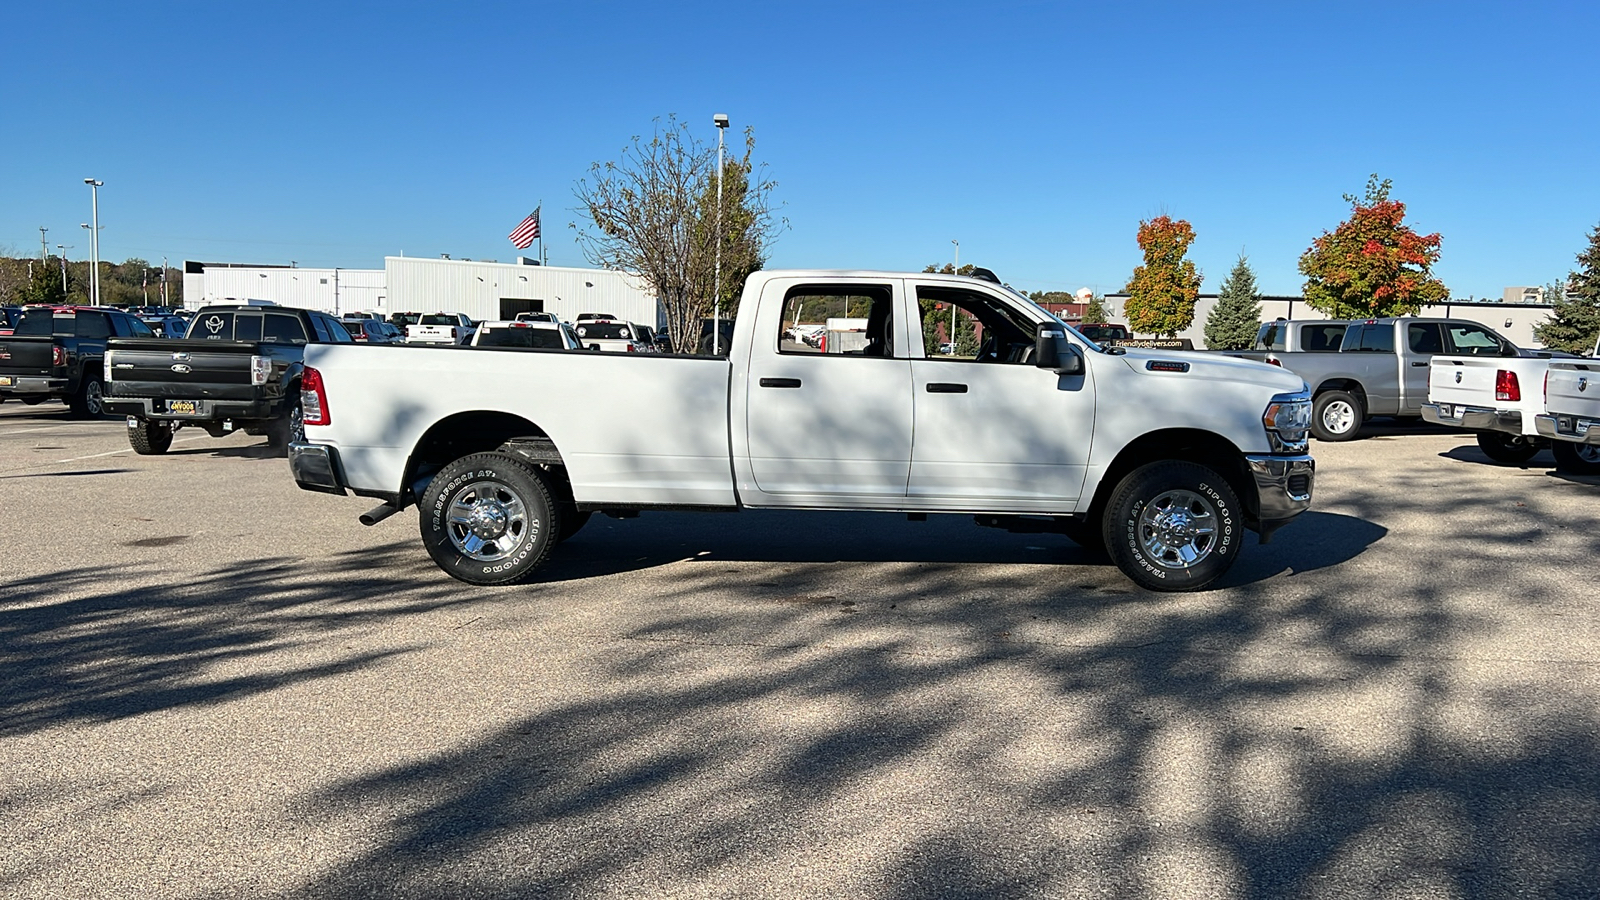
point(1419, 365)
point(946, 387)
point(780, 382)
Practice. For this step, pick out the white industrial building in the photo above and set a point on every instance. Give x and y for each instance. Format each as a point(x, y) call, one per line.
point(482, 290)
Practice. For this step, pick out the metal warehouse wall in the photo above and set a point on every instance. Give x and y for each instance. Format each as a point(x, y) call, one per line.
point(331, 290)
point(476, 288)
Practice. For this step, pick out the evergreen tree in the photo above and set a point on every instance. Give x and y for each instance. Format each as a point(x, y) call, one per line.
point(43, 287)
point(1096, 311)
point(1574, 323)
point(1236, 318)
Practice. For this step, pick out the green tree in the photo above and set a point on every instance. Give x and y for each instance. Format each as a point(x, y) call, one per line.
point(1234, 321)
point(1372, 264)
point(43, 287)
point(1554, 292)
point(1574, 323)
point(1163, 291)
point(654, 212)
point(1096, 312)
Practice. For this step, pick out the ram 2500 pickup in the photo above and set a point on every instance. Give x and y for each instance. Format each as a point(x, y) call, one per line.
point(1571, 419)
point(1163, 459)
point(238, 369)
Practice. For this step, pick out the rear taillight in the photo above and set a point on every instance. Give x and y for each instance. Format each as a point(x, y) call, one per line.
point(632, 348)
point(359, 336)
point(1506, 387)
point(58, 356)
point(1273, 362)
point(260, 368)
point(313, 398)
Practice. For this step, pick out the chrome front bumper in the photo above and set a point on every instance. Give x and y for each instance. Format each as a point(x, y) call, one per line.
point(315, 467)
point(1473, 418)
point(1283, 488)
point(1575, 429)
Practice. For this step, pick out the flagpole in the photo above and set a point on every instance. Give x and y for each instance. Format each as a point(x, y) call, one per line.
point(543, 260)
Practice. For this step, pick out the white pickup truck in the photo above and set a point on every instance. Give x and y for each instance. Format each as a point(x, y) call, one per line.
point(440, 328)
point(1163, 459)
point(1571, 419)
point(1496, 396)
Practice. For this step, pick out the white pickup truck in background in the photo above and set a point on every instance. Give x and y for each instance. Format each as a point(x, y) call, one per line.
point(1496, 396)
point(1163, 459)
point(1571, 419)
point(440, 328)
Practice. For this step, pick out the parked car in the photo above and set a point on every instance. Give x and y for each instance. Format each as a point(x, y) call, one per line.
point(1161, 458)
point(1101, 332)
point(524, 335)
point(612, 336)
point(403, 320)
point(532, 316)
point(1495, 396)
point(9, 316)
point(239, 369)
point(58, 352)
point(166, 326)
point(1379, 369)
point(1571, 420)
point(372, 331)
point(440, 328)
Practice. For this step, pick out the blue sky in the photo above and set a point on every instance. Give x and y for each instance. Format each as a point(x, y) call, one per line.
point(1036, 134)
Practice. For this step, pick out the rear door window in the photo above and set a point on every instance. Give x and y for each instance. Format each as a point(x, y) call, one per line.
point(1376, 337)
point(137, 328)
point(1322, 338)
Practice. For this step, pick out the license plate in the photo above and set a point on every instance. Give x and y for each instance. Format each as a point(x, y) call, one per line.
point(183, 407)
point(5, 381)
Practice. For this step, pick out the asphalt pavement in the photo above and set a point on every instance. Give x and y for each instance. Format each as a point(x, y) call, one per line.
point(213, 684)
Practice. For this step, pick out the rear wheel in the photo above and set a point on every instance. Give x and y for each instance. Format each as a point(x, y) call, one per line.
point(90, 400)
point(1576, 459)
point(150, 438)
point(1173, 526)
point(287, 428)
point(1510, 449)
point(1337, 416)
point(489, 519)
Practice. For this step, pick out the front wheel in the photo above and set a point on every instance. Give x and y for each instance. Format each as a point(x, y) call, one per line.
point(1337, 416)
point(149, 438)
point(489, 519)
point(1576, 459)
point(1510, 449)
point(1173, 526)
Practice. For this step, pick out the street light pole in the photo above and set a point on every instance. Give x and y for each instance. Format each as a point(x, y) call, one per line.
point(62, 249)
point(94, 239)
point(953, 306)
point(44, 248)
point(721, 121)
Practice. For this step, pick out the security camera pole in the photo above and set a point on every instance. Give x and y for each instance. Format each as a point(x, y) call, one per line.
point(721, 121)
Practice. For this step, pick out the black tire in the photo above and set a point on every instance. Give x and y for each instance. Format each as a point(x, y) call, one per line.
point(1337, 416)
point(150, 438)
point(572, 522)
point(489, 519)
point(1576, 459)
point(90, 400)
point(1162, 514)
point(287, 428)
point(1509, 449)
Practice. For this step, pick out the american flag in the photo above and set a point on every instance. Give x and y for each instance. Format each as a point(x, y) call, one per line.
point(522, 236)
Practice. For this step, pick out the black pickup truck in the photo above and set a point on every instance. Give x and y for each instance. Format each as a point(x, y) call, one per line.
point(56, 353)
point(238, 370)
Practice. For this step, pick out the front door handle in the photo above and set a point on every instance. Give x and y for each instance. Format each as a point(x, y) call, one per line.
point(946, 387)
point(1419, 365)
point(780, 382)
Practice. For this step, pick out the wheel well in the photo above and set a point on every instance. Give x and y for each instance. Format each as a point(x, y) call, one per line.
point(1348, 385)
point(456, 436)
point(1187, 445)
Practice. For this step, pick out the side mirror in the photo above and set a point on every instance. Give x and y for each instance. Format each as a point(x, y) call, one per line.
point(1052, 350)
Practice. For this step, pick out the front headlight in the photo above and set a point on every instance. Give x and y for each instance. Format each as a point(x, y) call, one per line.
point(1287, 419)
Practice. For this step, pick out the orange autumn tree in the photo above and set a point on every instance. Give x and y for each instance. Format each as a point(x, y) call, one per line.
point(1372, 265)
point(1163, 291)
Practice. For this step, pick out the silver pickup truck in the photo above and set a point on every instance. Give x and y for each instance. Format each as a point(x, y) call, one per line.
point(1376, 367)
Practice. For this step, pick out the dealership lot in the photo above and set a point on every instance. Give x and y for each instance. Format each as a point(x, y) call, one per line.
point(215, 684)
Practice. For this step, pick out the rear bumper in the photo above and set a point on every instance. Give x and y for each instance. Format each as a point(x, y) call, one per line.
point(316, 467)
point(205, 410)
point(1575, 429)
point(34, 384)
point(1473, 418)
point(1283, 488)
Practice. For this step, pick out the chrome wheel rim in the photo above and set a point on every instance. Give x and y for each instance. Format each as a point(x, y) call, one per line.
point(1589, 453)
point(1178, 529)
point(488, 521)
point(297, 424)
point(1338, 416)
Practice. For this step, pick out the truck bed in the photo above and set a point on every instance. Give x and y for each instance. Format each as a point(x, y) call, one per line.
point(633, 429)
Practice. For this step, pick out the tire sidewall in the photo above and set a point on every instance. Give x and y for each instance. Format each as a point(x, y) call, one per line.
point(525, 482)
point(1507, 448)
point(1569, 458)
point(1134, 494)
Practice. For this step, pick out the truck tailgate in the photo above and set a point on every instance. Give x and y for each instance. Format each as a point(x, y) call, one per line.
point(167, 368)
point(1463, 380)
point(25, 355)
point(1573, 389)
